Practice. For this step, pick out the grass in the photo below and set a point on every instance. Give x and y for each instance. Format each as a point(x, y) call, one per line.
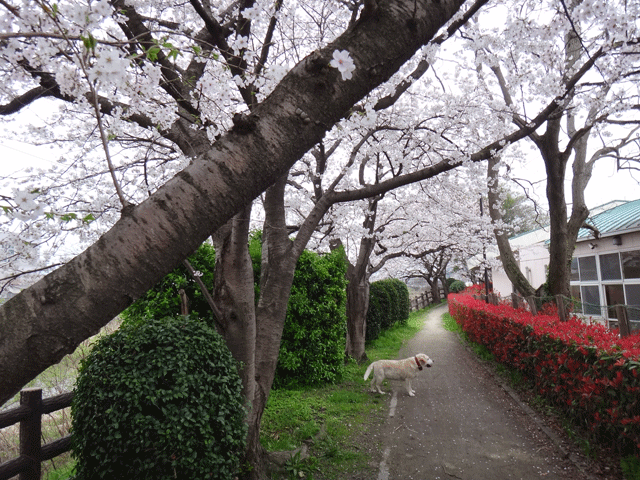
point(330, 420)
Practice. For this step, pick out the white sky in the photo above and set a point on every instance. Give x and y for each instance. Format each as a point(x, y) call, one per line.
point(606, 183)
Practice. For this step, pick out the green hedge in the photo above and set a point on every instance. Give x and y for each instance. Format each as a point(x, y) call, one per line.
point(456, 286)
point(158, 400)
point(313, 340)
point(312, 350)
point(388, 304)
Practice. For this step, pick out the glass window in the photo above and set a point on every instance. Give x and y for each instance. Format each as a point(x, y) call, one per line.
point(575, 298)
point(591, 299)
point(575, 292)
point(588, 268)
point(575, 275)
point(610, 267)
point(631, 264)
point(633, 301)
point(615, 296)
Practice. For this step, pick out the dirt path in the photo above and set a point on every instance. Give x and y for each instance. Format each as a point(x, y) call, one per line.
point(462, 424)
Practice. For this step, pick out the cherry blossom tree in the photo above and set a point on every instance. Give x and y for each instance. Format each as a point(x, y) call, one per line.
point(170, 118)
point(154, 78)
point(597, 121)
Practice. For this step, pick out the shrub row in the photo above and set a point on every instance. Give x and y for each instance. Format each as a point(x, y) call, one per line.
point(388, 304)
point(313, 341)
point(587, 371)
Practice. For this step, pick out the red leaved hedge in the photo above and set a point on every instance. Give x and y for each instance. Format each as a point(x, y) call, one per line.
point(586, 370)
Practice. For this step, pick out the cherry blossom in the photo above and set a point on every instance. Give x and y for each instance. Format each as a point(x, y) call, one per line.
point(25, 199)
point(344, 63)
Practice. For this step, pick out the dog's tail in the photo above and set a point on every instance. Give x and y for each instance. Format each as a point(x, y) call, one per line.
point(369, 368)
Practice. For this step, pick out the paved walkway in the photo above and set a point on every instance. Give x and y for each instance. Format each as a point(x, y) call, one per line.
point(462, 424)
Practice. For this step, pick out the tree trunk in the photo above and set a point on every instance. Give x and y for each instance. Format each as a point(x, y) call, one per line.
point(507, 257)
point(358, 289)
point(278, 266)
point(558, 247)
point(233, 293)
point(435, 293)
point(357, 307)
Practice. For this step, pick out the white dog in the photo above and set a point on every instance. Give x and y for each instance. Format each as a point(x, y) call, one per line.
point(397, 370)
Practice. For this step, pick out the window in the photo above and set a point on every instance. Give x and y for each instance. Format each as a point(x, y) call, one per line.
point(591, 299)
point(575, 274)
point(588, 269)
point(631, 264)
point(610, 267)
point(633, 301)
point(615, 296)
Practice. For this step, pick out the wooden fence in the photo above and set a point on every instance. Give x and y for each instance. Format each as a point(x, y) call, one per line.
point(32, 453)
point(425, 299)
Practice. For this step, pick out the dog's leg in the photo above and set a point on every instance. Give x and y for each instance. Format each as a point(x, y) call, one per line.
point(374, 384)
point(378, 381)
point(410, 391)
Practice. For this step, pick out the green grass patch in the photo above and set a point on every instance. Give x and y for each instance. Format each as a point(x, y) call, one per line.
point(331, 419)
point(65, 472)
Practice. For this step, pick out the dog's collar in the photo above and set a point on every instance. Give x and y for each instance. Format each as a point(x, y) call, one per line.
point(418, 362)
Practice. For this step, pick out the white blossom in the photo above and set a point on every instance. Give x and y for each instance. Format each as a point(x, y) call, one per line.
point(25, 199)
point(344, 63)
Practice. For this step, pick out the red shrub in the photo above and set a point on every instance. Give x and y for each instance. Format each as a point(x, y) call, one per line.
point(586, 370)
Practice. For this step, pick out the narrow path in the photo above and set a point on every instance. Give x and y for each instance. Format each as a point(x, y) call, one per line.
point(461, 424)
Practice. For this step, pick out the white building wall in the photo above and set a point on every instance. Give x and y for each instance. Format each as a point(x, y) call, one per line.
point(630, 241)
point(533, 262)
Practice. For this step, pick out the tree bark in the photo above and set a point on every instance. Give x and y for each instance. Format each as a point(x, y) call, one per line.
point(233, 294)
point(358, 289)
point(357, 308)
point(70, 304)
point(507, 257)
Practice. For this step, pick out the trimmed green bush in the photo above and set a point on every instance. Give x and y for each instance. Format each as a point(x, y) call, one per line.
point(378, 308)
point(403, 306)
point(313, 340)
point(156, 400)
point(388, 304)
point(456, 286)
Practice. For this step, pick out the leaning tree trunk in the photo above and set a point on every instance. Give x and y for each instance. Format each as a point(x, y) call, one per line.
point(509, 262)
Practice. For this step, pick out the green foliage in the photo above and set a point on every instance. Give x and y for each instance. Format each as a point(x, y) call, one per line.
point(403, 303)
point(312, 349)
point(389, 304)
point(159, 399)
point(163, 300)
point(378, 300)
point(456, 286)
point(255, 252)
point(630, 467)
